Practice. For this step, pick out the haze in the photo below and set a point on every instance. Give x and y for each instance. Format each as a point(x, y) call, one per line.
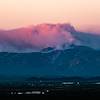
point(18, 13)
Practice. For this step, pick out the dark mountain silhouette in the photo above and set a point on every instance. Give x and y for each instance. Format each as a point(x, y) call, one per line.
point(76, 61)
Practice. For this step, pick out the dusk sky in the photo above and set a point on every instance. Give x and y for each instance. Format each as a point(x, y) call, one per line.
point(18, 13)
point(46, 38)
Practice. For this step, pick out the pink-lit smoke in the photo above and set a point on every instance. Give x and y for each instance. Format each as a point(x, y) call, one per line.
point(35, 38)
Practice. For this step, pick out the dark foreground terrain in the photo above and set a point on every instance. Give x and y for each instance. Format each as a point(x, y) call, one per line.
point(46, 87)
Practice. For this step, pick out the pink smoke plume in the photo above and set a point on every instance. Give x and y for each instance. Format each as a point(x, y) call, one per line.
point(35, 38)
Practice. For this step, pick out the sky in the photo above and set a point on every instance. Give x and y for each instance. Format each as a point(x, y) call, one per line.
point(18, 13)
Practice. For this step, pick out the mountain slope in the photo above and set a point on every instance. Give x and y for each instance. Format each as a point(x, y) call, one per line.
point(77, 61)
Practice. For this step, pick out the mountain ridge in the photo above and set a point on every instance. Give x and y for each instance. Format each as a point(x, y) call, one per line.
point(77, 61)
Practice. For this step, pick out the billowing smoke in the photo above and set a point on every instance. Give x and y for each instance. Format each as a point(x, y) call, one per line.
point(41, 36)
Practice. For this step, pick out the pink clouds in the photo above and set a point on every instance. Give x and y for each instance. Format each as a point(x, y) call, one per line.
point(41, 36)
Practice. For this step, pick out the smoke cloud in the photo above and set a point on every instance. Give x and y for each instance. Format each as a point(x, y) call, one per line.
point(35, 38)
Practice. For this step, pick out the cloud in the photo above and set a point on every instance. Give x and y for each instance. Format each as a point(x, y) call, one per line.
point(35, 38)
